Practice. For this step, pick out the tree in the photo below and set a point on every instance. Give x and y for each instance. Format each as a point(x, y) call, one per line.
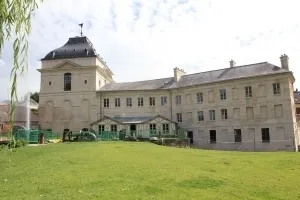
point(15, 17)
point(35, 96)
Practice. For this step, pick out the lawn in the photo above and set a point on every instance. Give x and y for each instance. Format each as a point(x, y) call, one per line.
point(128, 170)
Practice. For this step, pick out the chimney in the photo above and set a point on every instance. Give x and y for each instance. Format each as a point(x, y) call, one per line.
point(178, 73)
point(232, 63)
point(284, 59)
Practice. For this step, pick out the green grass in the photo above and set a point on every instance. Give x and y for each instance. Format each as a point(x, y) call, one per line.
point(128, 170)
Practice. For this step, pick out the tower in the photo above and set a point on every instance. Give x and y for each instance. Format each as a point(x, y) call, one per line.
point(70, 77)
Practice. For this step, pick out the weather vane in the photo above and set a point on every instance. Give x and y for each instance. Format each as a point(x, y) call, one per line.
point(81, 25)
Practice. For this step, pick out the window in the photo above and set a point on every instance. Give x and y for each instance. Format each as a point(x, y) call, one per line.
point(212, 115)
point(140, 101)
point(113, 128)
point(85, 81)
point(200, 116)
point(50, 83)
point(163, 101)
point(265, 135)
point(165, 128)
point(179, 117)
point(276, 88)
point(237, 135)
point(67, 81)
point(117, 102)
point(101, 128)
point(248, 91)
point(298, 111)
point(224, 114)
point(212, 136)
point(128, 102)
point(152, 126)
point(223, 94)
point(199, 97)
point(106, 103)
point(178, 99)
point(152, 101)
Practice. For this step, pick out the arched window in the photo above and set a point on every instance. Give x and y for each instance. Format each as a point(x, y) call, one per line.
point(67, 81)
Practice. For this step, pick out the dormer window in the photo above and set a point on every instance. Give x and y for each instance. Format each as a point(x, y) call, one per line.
point(67, 81)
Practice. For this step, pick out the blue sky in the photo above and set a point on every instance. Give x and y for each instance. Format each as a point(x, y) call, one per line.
point(143, 39)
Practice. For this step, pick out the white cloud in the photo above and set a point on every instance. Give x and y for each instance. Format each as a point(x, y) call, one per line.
point(139, 38)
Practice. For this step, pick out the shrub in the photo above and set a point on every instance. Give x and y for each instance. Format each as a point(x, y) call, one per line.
point(169, 136)
point(169, 141)
point(18, 144)
point(23, 142)
point(130, 138)
point(164, 136)
point(139, 137)
point(178, 142)
point(159, 141)
point(2, 146)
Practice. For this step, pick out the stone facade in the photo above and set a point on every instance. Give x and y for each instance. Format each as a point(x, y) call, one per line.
point(251, 112)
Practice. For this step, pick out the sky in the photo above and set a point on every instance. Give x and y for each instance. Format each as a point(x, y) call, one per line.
point(143, 39)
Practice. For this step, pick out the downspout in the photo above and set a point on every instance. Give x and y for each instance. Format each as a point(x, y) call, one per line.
point(171, 105)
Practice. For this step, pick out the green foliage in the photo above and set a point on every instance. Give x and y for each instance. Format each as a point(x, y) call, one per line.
point(15, 17)
point(130, 138)
point(139, 137)
point(165, 136)
point(15, 144)
point(35, 96)
point(177, 142)
point(35, 111)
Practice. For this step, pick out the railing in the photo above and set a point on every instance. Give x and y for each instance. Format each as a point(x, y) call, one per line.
point(34, 136)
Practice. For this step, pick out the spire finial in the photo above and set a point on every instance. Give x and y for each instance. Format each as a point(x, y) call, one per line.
point(81, 25)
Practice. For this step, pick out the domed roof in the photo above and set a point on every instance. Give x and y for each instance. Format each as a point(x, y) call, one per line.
point(76, 47)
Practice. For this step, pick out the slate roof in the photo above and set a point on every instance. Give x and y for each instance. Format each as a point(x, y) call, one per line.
point(137, 120)
point(76, 47)
point(131, 120)
point(140, 85)
point(244, 71)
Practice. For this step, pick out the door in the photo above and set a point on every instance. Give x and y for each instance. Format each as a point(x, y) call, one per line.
point(190, 135)
point(213, 136)
point(133, 129)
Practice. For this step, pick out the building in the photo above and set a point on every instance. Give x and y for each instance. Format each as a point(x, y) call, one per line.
point(297, 102)
point(21, 114)
point(249, 107)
